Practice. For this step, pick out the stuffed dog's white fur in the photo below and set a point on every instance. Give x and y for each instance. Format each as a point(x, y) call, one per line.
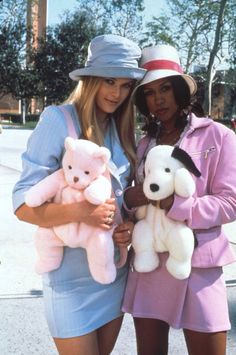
point(155, 232)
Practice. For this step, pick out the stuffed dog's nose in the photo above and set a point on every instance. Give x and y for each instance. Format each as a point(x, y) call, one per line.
point(75, 179)
point(154, 187)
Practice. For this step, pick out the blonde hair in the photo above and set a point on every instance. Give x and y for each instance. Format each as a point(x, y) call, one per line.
point(83, 97)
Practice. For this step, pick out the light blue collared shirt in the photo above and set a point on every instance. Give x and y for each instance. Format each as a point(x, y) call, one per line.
point(45, 149)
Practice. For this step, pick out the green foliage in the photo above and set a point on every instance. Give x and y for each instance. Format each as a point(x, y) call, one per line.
point(120, 17)
point(193, 26)
point(231, 33)
point(159, 31)
point(10, 10)
point(204, 32)
point(12, 47)
point(63, 50)
point(65, 46)
point(16, 77)
point(12, 119)
point(43, 71)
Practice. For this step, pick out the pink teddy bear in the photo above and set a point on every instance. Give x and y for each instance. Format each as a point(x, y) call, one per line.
point(80, 178)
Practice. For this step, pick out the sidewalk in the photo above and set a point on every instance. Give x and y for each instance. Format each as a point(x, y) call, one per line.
point(23, 329)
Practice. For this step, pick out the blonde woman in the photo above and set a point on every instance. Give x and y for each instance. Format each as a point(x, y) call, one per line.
point(84, 316)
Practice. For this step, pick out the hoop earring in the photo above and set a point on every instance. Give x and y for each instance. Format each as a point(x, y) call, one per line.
point(152, 115)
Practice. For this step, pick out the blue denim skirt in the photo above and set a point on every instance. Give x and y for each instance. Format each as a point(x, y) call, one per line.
point(75, 304)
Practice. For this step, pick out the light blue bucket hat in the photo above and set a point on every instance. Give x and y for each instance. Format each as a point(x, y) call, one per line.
point(111, 56)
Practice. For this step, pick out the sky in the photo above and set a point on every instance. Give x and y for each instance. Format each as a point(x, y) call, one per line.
point(57, 7)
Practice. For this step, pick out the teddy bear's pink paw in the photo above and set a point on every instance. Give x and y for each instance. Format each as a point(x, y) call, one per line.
point(105, 275)
point(42, 267)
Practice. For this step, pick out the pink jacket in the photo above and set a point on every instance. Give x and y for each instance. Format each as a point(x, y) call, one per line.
point(212, 147)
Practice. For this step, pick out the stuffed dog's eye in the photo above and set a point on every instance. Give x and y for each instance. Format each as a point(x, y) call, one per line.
point(167, 170)
point(69, 167)
point(86, 172)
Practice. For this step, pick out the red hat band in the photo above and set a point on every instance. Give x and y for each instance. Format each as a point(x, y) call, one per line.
point(162, 64)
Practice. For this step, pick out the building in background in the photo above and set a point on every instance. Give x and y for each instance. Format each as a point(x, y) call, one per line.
point(36, 18)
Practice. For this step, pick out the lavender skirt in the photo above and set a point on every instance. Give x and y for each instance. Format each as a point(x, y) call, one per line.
point(198, 303)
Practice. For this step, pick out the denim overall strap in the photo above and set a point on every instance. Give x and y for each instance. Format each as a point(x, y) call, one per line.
point(69, 122)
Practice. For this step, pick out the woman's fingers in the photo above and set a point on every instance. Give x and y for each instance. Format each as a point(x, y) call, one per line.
point(100, 216)
point(123, 234)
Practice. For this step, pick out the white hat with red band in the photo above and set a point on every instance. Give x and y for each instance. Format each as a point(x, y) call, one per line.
point(162, 61)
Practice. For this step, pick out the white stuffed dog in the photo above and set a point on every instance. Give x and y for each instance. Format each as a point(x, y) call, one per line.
point(165, 174)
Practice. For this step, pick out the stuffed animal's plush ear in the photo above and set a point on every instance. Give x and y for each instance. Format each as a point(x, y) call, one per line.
point(69, 143)
point(183, 183)
point(102, 153)
point(185, 159)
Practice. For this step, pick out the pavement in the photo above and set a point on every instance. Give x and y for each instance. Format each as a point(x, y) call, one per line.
point(23, 329)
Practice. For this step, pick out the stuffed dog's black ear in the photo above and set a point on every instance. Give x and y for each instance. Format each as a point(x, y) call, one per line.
point(184, 158)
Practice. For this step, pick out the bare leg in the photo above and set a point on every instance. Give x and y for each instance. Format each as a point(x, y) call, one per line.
point(152, 336)
point(205, 343)
point(86, 344)
point(107, 336)
point(99, 342)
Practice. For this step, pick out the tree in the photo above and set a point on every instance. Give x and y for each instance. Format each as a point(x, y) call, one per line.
point(218, 37)
point(231, 32)
point(10, 10)
point(126, 17)
point(200, 31)
point(192, 26)
point(12, 46)
point(117, 16)
point(184, 26)
point(158, 31)
point(43, 71)
point(63, 50)
point(16, 76)
point(230, 79)
point(65, 45)
point(231, 58)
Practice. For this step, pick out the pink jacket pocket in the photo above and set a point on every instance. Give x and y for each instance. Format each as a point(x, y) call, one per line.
point(213, 249)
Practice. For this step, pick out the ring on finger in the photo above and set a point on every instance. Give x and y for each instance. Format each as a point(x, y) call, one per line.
point(108, 221)
point(112, 215)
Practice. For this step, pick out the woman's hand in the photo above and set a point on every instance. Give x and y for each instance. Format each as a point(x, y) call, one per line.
point(101, 216)
point(122, 234)
point(52, 214)
point(134, 196)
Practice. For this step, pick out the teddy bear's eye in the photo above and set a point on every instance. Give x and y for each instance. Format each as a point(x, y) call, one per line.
point(69, 167)
point(167, 170)
point(87, 172)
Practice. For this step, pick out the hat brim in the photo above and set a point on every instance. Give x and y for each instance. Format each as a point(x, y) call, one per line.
point(108, 72)
point(153, 75)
